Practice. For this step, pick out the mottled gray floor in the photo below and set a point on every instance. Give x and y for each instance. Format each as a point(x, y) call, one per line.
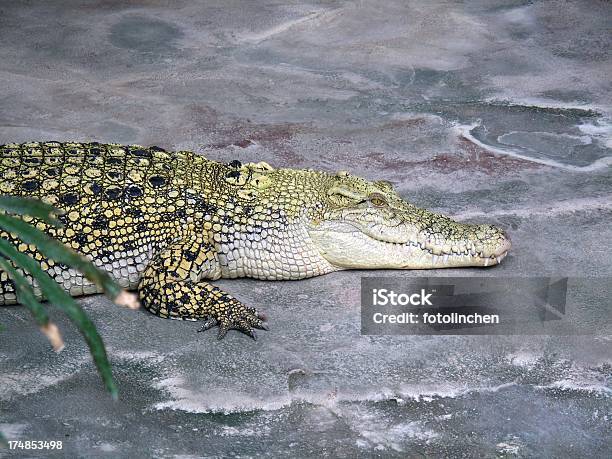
point(496, 111)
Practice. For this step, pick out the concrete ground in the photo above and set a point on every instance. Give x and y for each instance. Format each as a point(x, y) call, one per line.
point(496, 111)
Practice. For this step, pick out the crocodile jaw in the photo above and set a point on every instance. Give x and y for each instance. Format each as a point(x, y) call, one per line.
point(348, 247)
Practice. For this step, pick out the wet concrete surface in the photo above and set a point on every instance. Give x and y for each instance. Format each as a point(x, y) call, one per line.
point(496, 112)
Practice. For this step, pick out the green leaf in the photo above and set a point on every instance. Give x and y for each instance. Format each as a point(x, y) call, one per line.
point(58, 252)
point(56, 295)
point(31, 207)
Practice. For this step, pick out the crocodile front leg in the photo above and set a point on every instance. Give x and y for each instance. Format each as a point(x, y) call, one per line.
point(172, 287)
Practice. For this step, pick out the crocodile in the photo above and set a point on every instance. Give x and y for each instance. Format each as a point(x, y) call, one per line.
point(167, 223)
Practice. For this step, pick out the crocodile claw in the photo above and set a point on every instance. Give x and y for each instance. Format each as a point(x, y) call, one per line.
point(223, 328)
point(208, 324)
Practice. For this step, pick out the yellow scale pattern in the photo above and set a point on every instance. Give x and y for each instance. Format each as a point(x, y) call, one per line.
point(163, 221)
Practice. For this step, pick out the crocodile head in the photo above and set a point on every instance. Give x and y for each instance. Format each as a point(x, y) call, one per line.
point(367, 225)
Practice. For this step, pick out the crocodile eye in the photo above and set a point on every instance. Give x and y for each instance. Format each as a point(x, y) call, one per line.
point(377, 200)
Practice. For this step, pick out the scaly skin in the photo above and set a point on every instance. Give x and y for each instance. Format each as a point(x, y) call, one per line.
point(165, 223)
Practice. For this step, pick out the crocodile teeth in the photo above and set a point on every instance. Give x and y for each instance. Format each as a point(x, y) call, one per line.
point(502, 256)
point(486, 262)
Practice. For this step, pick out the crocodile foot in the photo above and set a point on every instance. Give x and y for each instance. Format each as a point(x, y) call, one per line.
point(238, 317)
